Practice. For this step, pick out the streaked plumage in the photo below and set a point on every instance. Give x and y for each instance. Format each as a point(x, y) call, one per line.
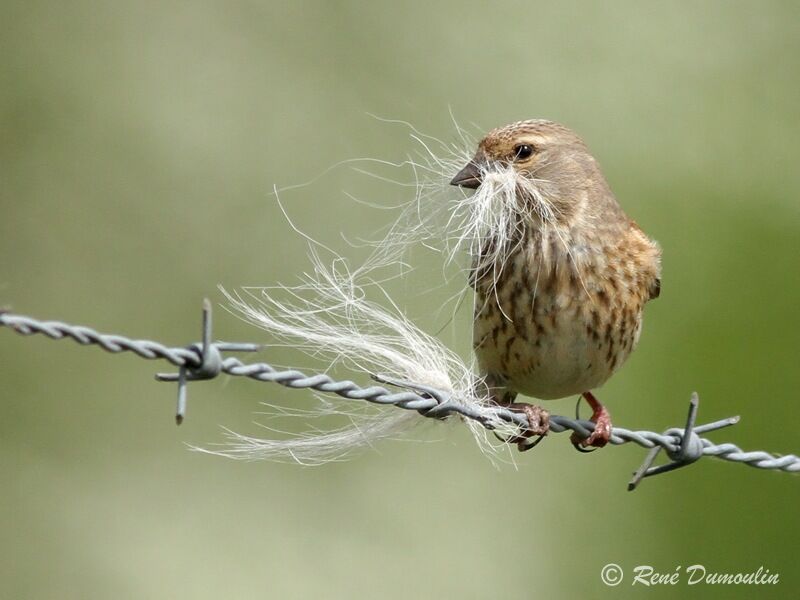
point(559, 309)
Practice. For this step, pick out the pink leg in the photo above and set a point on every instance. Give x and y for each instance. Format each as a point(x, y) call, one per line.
point(539, 425)
point(602, 429)
point(538, 418)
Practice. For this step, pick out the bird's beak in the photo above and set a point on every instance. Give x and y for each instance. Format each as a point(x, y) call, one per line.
point(469, 176)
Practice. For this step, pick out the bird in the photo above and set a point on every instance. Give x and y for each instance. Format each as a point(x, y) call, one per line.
point(560, 273)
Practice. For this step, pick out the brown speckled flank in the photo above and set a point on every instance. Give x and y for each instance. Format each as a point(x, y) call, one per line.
point(564, 309)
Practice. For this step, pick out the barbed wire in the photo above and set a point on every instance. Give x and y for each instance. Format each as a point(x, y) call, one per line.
point(204, 360)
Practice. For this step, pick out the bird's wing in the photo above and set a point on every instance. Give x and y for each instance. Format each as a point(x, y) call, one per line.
point(655, 288)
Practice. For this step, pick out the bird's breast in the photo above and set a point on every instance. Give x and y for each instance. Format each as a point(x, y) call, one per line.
point(554, 322)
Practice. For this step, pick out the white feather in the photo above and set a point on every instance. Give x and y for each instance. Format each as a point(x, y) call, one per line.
point(328, 314)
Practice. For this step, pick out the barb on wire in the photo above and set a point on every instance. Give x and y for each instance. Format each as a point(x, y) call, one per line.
point(203, 361)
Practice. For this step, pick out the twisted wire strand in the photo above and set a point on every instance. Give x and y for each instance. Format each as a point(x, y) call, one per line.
point(192, 358)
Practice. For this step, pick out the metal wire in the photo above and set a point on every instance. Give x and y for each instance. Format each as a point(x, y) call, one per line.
point(204, 361)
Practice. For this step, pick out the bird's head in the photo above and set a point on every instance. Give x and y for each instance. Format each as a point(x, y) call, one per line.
point(538, 167)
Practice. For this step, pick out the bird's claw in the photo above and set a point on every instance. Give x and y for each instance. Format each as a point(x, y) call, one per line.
point(538, 425)
point(602, 427)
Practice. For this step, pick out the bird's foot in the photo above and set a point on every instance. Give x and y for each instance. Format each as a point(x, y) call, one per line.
point(602, 426)
point(538, 425)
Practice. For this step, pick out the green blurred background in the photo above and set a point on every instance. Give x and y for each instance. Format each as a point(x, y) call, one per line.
point(140, 143)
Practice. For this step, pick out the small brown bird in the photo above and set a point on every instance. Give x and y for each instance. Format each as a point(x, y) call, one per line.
point(561, 274)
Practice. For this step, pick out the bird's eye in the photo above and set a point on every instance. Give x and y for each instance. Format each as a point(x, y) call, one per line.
point(522, 151)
